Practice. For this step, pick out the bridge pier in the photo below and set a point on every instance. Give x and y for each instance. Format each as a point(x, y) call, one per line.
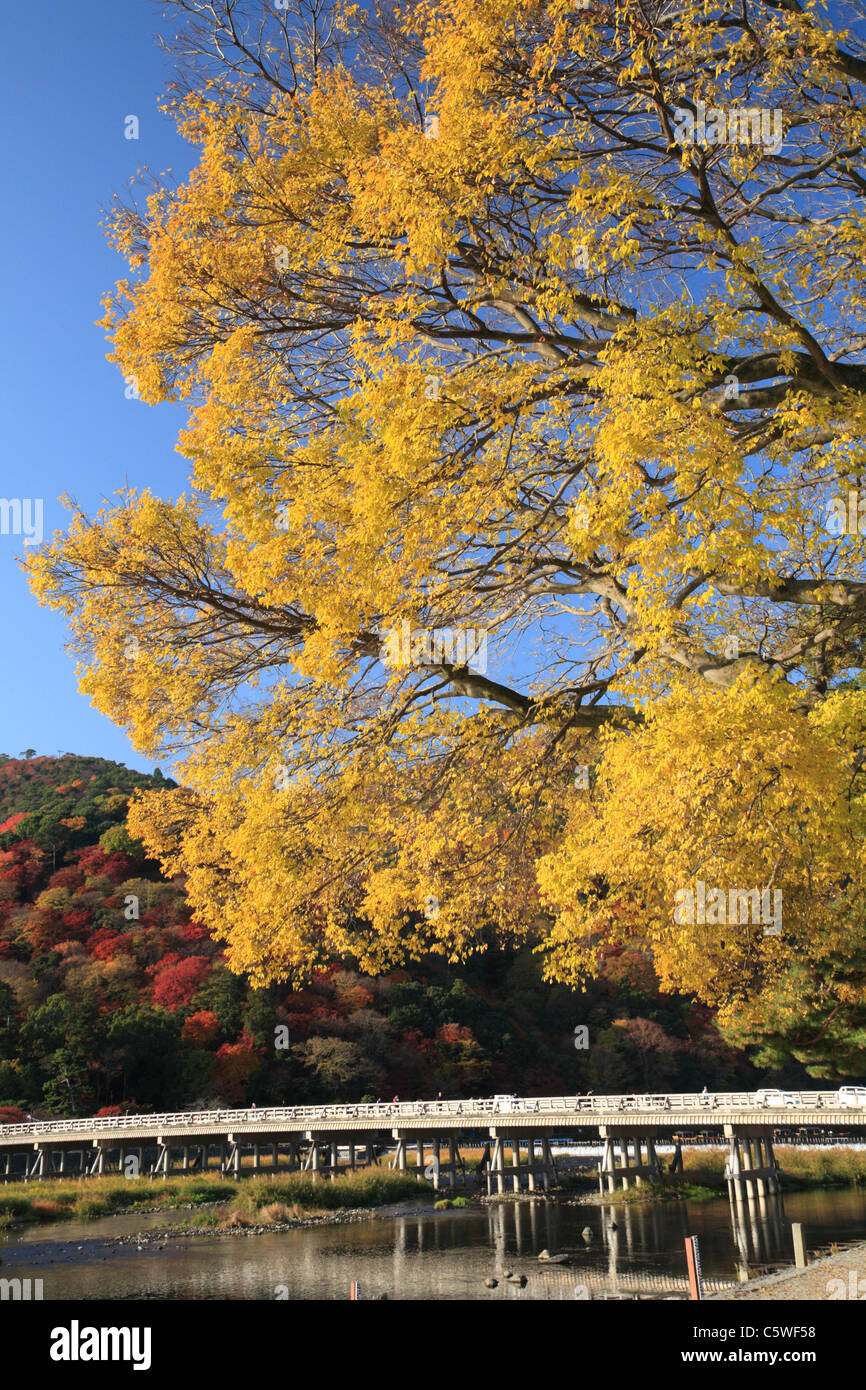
point(751, 1169)
point(631, 1167)
point(452, 1161)
point(607, 1167)
point(401, 1162)
point(774, 1184)
point(497, 1170)
point(549, 1169)
point(494, 1168)
point(313, 1157)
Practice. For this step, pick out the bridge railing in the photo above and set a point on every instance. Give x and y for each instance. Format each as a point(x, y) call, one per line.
point(390, 1113)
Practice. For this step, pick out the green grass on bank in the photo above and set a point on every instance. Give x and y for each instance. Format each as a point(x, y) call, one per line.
point(801, 1168)
point(704, 1174)
point(299, 1193)
point(822, 1167)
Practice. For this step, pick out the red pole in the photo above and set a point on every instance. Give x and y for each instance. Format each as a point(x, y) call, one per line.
point(354, 1290)
point(693, 1260)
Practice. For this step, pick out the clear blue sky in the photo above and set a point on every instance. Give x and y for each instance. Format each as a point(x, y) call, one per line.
point(71, 74)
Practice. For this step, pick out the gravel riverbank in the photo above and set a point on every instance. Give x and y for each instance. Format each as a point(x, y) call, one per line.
point(831, 1278)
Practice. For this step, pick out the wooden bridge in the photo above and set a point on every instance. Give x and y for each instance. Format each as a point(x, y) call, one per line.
point(312, 1137)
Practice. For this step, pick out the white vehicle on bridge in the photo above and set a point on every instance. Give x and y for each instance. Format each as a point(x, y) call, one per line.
point(506, 1105)
point(772, 1099)
point(852, 1097)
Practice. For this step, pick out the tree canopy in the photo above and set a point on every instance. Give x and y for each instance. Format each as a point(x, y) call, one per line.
point(532, 334)
point(113, 998)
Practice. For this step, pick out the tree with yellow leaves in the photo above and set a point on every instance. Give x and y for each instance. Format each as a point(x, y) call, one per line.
point(519, 589)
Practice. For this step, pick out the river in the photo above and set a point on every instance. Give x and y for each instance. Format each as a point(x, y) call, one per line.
point(416, 1253)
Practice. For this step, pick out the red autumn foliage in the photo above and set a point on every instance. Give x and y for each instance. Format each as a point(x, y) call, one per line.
point(299, 1025)
point(118, 867)
point(91, 861)
point(193, 932)
point(235, 1064)
point(44, 931)
point(22, 865)
point(176, 980)
point(77, 923)
point(70, 878)
point(200, 1028)
point(104, 944)
point(352, 1000)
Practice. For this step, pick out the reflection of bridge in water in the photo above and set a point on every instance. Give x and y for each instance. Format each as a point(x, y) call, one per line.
point(609, 1265)
point(606, 1267)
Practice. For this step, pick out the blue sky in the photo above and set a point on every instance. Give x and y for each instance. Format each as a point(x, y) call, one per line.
point(72, 73)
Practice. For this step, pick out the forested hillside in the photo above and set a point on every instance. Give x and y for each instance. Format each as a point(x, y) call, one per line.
point(111, 995)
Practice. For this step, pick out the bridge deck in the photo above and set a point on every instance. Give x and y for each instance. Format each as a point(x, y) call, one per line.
point(557, 1116)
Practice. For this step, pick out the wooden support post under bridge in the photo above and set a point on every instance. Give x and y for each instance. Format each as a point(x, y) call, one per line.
point(631, 1168)
point(751, 1169)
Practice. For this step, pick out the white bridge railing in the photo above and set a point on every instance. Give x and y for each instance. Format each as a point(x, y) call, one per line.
point(386, 1113)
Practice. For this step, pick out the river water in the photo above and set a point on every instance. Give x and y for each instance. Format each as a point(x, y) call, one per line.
point(416, 1253)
